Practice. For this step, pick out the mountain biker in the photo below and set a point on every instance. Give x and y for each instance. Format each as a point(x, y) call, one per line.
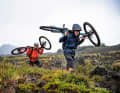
point(70, 41)
point(33, 54)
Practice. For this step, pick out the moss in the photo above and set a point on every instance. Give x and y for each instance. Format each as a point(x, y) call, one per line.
point(116, 66)
point(97, 78)
point(61, 87)
point(68, 87)
point(7, 71)
point(27, 87)
point(92, 84)
point(59, 75)
point(46, 78)
point(0, 86)
point(22, 87)
point(77, 78)
point(52, 80)
point(21, 81)
point(102, 90)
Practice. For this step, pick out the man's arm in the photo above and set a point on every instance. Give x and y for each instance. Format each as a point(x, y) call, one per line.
point(41, 50)
point(29, 51)
point(81, 41)
point(62, 39)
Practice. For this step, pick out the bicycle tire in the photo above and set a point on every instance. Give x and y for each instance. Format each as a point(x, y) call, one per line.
point(52, 29)
point(50, 46)
point(93, 32)
point(13, 51)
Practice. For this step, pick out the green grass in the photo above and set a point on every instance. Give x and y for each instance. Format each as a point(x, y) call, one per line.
point(48, 80)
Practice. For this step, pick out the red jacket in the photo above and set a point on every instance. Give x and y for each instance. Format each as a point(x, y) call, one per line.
point(33, 53)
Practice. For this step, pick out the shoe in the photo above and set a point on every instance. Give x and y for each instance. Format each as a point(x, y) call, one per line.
point(70, 70)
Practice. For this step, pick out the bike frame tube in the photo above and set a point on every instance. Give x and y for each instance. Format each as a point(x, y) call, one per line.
point(55, 31)
point(82, 33)
point(63, 31)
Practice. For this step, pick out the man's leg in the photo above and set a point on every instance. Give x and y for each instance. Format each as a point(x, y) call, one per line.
point(38, 63)
point(31, 63)
point(70, 60)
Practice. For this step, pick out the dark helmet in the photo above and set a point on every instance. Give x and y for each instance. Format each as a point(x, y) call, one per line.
point(76, 27)
point(36, 44)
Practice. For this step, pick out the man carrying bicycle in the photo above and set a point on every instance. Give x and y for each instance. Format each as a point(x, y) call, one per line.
point(70, 41)
point(33, 54)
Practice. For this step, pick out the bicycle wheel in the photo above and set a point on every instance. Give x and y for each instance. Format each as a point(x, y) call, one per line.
point(92, 34)
point(46, 42)
point(52, 29)
point(19, 50)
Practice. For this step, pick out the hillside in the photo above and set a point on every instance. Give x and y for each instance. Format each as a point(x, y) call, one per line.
point(93, 73)
point(6, 49)
point(92, 49)
point(105, 49)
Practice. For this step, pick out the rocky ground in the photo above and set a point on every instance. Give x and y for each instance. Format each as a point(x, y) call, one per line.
point(94, 73)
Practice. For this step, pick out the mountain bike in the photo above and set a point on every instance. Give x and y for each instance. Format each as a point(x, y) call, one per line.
point(43, 42)
point(89, 32)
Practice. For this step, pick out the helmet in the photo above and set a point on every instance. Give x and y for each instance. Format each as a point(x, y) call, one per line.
point(76, 27)
point(36, 44)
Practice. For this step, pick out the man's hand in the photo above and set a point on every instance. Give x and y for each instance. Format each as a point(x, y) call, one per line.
point(43, 44)
point(66, 33)
point(84, 37)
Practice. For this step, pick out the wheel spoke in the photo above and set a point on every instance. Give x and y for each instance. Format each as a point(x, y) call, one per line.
point(18, 50)
point(94, 38)
point(92, 34)
point(45, 41)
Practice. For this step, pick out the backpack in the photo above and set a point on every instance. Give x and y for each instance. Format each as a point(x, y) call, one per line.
point(30, 53)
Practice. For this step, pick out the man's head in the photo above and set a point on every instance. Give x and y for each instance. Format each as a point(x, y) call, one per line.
point(36, 45)
point(76, 29)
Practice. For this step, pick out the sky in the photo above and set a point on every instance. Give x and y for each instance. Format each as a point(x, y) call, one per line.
point(20, 20)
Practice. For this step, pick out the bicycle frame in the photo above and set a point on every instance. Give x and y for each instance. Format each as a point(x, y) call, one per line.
point(63, 30)
point(88, 33)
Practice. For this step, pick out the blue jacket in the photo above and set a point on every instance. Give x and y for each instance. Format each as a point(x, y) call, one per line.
point(70, 43)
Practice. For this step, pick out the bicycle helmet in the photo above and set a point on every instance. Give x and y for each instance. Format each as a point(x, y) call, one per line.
point(76, 27)
point(36, 44)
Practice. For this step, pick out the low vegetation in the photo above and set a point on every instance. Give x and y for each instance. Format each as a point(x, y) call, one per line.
point(17, 76)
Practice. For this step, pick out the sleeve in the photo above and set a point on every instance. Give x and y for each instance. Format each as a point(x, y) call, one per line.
point(62, 39)
point(29, 51)
point(41, 50)
point(80, 41)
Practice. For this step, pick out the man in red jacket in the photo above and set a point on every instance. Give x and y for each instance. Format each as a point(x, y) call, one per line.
point(33, 54)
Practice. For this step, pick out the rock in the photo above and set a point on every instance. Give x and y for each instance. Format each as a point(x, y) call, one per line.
point(116, 76)
point(99, 71)
point(97, 85)
point(80, 60)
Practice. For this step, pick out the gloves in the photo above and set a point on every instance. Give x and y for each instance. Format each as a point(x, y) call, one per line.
point(84, 37)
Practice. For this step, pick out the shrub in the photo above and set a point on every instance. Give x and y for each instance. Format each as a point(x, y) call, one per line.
point(116, 66)
point(102, 90)
point(76, 79)
point(61, 87)
point(27, 87)
point(97, 78)
point(7, 71)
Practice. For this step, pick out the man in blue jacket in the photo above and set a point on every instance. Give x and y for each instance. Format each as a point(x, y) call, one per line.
point(70, 41)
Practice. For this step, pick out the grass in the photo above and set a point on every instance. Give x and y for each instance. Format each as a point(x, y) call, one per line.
point(54, 80)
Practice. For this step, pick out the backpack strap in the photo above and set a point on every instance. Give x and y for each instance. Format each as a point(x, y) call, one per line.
point(30, 53)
